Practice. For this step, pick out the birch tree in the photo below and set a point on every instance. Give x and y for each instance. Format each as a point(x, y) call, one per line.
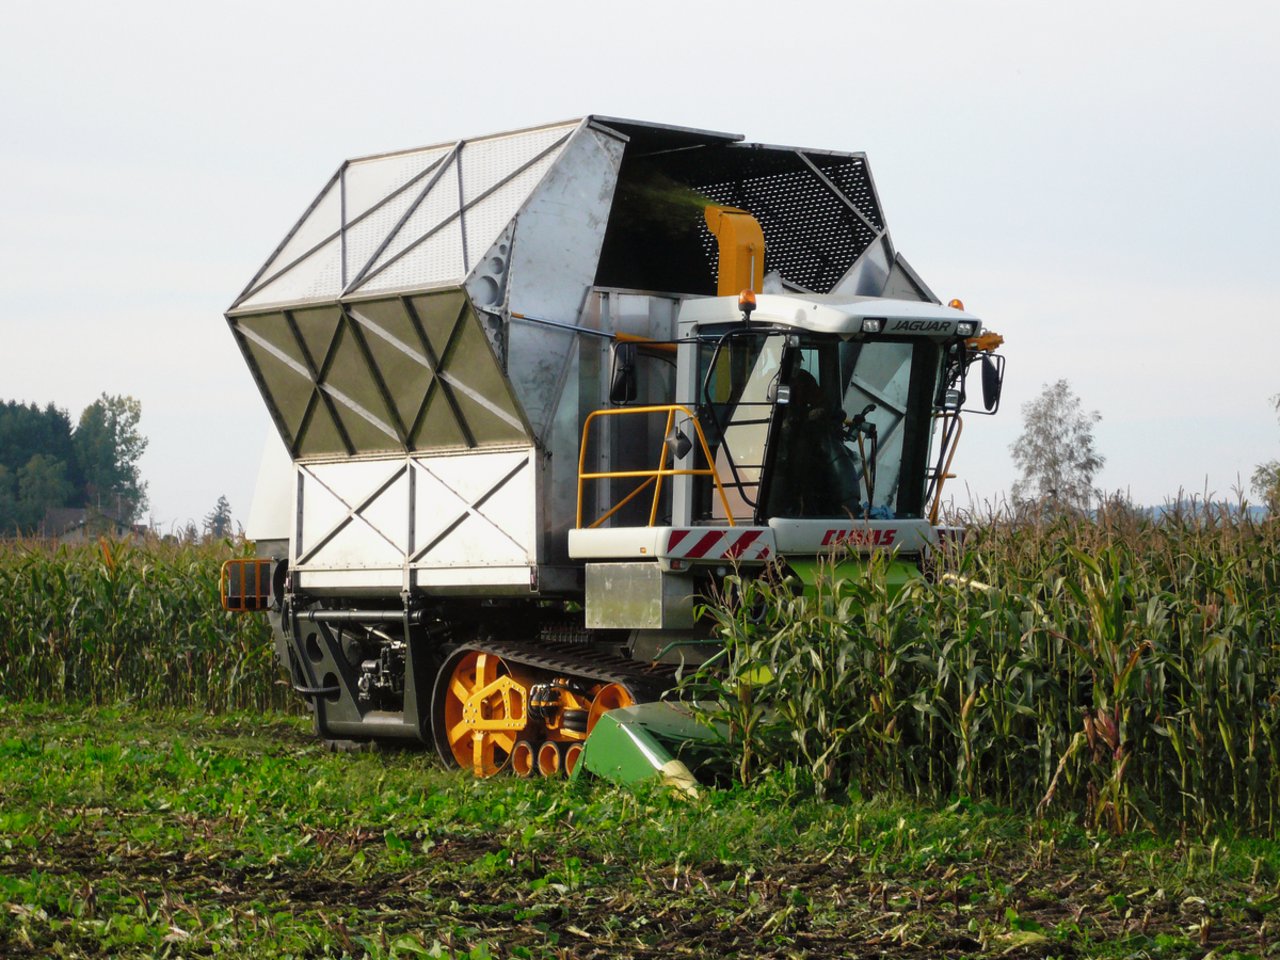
point(1056, 455)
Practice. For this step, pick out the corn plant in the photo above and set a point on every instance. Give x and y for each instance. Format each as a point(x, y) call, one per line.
point(106, 621)
point(1122, 668)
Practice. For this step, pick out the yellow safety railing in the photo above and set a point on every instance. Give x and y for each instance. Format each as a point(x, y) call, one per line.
point(647, 477)
point(245, 584)
point(946, 470)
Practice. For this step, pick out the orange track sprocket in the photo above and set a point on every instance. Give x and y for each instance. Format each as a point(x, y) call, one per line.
point(478, 711)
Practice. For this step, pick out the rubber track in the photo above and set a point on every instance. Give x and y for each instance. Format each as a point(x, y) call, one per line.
point(645, 681)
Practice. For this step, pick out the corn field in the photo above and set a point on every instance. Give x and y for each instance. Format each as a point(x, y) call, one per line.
point(1122, 670)
point(110, 621)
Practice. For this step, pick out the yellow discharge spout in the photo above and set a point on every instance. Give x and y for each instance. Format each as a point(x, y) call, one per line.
point(741, 243)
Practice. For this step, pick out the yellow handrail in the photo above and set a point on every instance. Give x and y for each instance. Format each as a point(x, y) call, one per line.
point(252, 584)
point(946, 470)
point(654, 477)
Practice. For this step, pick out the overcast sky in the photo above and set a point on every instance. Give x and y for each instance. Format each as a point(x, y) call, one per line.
point(1098, 181)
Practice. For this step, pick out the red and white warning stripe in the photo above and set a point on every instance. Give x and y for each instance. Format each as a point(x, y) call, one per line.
point(734, 543)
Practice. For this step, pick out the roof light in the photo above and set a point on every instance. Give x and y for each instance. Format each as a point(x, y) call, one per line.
point(966, 328)
point(872, 325)
point(956, 304)
point(747, 302)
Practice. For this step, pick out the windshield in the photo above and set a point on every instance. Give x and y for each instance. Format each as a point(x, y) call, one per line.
point(847, 436)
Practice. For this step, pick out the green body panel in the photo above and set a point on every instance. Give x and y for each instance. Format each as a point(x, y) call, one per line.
point(633, 744)
point(898, 573)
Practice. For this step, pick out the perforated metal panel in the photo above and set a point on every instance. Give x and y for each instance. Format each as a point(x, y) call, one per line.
point(816, 222)
point(320, 224)
point(818, 211)
point(365, 237)
point(853, 178)
point(369, 182)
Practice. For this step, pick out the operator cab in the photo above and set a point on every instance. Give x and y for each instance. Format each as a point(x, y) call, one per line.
point(798, 422)
point(825, 407)
point(810, 425)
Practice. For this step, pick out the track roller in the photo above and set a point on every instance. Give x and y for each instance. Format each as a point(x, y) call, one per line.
point(523, 759)
point(551, 758)
point(572, 754)
point(492, 709)
point(610, 697)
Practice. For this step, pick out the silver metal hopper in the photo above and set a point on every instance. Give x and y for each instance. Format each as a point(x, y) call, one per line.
point(431, 333)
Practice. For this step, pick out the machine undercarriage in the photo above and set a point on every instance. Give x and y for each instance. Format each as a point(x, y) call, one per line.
point(490, 686)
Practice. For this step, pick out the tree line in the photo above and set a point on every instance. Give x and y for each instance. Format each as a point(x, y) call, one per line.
point(47, 463)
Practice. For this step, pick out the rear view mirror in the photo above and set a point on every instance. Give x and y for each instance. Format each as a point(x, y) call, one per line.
point(622, 384)
point(991, 384)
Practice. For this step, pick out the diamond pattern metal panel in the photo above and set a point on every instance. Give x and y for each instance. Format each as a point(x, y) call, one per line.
point(474, 510)
point(401, 374)
point(435, 202)
point(325, 512)
point(366, 237)
point(386, 512)
point(280, 380)
point(434, 259)
point(354, 514)
point(316, 329)
point(322, 438)
point(465, 210)
point(390, 337)
point(488, 162)
point(317, 225)
point(319, 274)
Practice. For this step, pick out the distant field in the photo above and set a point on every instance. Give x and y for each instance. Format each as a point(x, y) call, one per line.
point(128, 833)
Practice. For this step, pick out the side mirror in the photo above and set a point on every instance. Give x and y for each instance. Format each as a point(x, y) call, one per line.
point(992, 381)
point(678, 443)
point(622, 384)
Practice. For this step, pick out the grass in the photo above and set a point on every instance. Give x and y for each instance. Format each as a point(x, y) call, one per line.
point(173, 833)
point(1122, 670)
